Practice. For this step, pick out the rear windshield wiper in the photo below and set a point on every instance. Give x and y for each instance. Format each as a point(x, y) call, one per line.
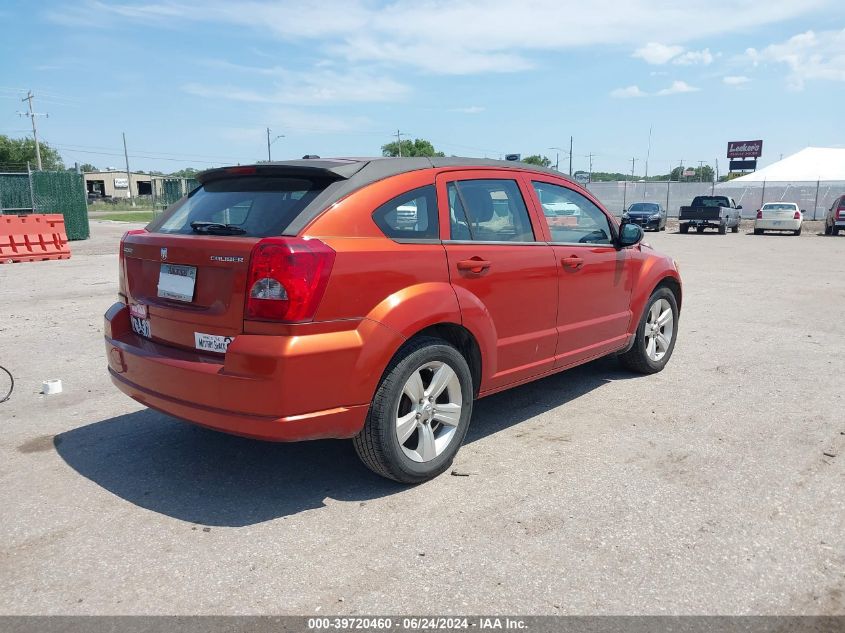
point(217, 228)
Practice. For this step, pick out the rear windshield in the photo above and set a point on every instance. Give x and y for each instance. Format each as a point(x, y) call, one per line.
point(252, 206)
point(710, 201)
point(779, 206)
point(644, 207)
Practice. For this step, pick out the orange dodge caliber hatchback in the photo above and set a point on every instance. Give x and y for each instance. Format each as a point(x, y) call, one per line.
point(375, 299)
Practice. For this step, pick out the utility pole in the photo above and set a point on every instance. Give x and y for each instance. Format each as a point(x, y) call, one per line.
point(701, 171)
point(570, 156)
point(633, 162)
point(269, 142)
point(558, 150)
point(32, 115)
point(590, 156)
point(128, 173)
point(648, 153)
point(399, 142)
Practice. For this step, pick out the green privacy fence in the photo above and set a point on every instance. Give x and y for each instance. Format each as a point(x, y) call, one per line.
point(166, 191)
point(47, 192)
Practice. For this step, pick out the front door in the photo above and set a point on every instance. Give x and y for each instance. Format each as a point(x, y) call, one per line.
point(501, 270)
point(594, 309)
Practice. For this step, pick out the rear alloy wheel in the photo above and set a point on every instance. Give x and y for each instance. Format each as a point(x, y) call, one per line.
point(420, 413)
point(655, 337)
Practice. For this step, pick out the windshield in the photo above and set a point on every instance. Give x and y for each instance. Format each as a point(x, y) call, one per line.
point(780, 206)
point(644, 207)
point(252, 206)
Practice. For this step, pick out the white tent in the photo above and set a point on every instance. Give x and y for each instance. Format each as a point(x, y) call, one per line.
point(810, 164)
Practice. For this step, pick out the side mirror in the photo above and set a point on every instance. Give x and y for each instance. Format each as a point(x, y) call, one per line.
point(630, 234)
point(739, 206)
point(803, 212)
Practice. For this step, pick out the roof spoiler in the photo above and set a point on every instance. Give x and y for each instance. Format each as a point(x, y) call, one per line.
point(324, 169)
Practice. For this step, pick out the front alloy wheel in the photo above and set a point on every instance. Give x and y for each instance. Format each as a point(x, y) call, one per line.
point(654, 341)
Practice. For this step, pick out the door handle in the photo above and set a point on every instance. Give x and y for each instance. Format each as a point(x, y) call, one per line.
point(476, 265)
point(573, 261)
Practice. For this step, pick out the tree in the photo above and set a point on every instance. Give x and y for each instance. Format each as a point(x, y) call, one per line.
point(417, 147)
point(84, 167)
point(188, 172)
point(536, 159)
point(16, 152)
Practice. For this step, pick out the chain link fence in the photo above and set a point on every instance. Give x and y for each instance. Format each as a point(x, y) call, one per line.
point(814, 198)
point(166, 191)
point(47, 192)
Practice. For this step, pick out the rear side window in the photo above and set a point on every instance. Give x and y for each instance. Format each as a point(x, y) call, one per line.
point(413, 215)
point(488, 211)
point(252, 206)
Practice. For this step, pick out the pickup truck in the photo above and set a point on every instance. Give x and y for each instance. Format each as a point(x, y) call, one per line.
point(711, 212)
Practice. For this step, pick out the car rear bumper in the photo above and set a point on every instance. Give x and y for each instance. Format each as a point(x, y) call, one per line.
point(279, 388)
point(788, 224)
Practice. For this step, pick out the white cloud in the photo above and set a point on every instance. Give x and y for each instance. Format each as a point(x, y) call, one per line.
point(677, 87)
point(628, 92)
point(809, 56)
point(456, 36)
point(735, 80)
point(705, 58)
point(310, 87)
point(656, 53)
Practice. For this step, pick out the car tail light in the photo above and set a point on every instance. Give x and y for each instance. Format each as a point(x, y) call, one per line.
point(838, 211)
point(759, 214)
point(797, 215)
point(121, 255)
point(287, 278)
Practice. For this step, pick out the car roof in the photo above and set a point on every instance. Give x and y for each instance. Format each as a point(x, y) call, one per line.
point(347, 175)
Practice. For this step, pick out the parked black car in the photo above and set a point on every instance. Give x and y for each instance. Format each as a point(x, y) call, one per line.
point(649, 215)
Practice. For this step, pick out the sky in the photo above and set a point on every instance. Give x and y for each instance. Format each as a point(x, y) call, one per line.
point(197, 84)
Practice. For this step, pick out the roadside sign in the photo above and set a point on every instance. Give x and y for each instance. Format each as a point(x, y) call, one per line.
point(745, 149)
point(689, 172)
point(581, 177)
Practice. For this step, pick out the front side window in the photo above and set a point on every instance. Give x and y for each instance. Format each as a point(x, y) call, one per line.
point(488, 211)
point(572, 218)
point(413, 215)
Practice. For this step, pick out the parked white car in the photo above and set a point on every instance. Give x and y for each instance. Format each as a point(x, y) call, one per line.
point(779, 216)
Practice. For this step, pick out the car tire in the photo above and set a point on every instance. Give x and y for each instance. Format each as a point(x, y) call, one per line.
point(699, 229)
point(735, 228)
point(826, 229)
point(684, 228)
point(834, 230)
point(798, 232)
point(646, 355)
point(419, 458)
point(758, 231)
point(723, 229)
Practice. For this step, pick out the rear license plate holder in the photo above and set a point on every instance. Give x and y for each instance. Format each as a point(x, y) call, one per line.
point(177, 282)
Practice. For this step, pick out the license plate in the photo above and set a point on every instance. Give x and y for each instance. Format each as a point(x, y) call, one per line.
point(778, 223)
point(212, 342)
point(177, 282)
point(141, 327)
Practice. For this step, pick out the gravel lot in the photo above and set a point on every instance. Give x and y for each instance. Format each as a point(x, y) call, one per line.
point(717, 486)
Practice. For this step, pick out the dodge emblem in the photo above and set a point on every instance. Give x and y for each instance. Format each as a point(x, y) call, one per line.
point(164, 254)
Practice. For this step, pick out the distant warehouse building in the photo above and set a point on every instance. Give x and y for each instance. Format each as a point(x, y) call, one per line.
point(115, 184)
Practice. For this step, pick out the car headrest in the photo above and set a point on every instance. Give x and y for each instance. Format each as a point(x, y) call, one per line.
point(479, 201)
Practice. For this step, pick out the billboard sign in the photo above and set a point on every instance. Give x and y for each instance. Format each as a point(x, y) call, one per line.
point(743, 165)
point(745, 149)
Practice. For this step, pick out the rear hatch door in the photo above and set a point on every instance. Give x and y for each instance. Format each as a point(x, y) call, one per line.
point(185, 277)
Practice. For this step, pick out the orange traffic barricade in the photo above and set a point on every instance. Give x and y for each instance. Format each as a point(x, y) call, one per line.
point(32, 238)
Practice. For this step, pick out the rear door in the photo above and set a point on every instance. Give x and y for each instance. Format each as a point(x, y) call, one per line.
point(595, 277)
point(501, 268)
